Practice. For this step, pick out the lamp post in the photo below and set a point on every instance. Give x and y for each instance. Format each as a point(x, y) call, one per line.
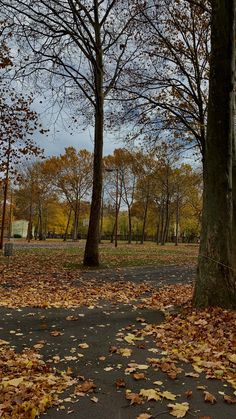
point(117, 209)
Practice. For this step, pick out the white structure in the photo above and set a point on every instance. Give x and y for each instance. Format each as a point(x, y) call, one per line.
point(19, 227)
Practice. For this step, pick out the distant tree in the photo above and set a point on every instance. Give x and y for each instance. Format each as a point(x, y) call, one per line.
point(18, 125)
point(72, 177)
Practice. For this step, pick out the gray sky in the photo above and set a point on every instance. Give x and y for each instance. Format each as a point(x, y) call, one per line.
point(61, 136)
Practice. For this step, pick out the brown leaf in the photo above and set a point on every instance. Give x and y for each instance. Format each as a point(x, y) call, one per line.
point(209, 398)
point(188, 393)
point(113, 349)
point(120, 383)
point(139, 376)
point(85, 387)
point(229, 399)
point(56, 333)
point(133, 397)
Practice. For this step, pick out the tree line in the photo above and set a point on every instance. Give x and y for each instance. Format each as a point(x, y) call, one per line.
point(155, 196)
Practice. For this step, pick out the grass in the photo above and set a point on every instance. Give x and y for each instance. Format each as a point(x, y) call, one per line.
point(69, 256)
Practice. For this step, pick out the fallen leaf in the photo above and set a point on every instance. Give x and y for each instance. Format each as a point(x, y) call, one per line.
point(139, 376)
point(209, 398)
point(3, 342)
point(125, 352)
point(191, 374)
point(133, 397)
point(120, 383)
point(229, 399)
point(167, 395)
point(179, 410)
point(142, 367)
point(73, 318)
point(83, 345)
point(232, 358)
point(158, 383)
point(150, 394)
point(94, 399)
point(188, 393)
point(85, 387)
point(144, 416)
point(56, 333)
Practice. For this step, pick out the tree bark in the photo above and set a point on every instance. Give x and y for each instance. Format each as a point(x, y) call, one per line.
point(91, 254)
point(145, 218)
point(5, 192)
point(130, 226)
point(215, 285)
point(177, 219)
point(67, 226)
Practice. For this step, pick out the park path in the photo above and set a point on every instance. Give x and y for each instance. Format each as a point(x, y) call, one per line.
point(101, 328)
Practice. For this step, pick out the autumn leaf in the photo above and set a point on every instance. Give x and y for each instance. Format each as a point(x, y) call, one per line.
point(188, 393)
point(120, 383)
point(232, 358)
point(167, 395)
point(133, 397)
point(3, 342)
point(229, 399)
point(139, 376)
point(83, 345)
point(85, 387)
point(150, 394)
point(179, 410)
point(208, 397)
point(144, 416)
point(56, 333)
point(125, 351)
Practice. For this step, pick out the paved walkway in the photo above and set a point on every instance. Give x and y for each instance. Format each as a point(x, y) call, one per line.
point(100, 328)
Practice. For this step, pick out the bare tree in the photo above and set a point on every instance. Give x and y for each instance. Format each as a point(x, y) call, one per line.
point(84, 47)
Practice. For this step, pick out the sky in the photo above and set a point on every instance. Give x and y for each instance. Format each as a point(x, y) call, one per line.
point(61, 136)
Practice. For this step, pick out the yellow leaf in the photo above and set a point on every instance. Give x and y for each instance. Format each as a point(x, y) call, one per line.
point(142, 367)
point(179, 410)
point(125, 351)
point(232, 358)
point(14, 382)
point(168, 395)
point(3, 342)
point(144, 416)
point(83, 345)
point(150, 394)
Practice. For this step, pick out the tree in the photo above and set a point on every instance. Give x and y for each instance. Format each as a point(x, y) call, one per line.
point(72, 177)
point(167, 89)
point(83, 45)
point(18, 125)
point(216, 280)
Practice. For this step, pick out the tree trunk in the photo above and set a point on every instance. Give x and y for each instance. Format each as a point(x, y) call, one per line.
point(177, 220)
point(40, 223)
point(67, 226)
point(161, 221)
point(76, 220)
point(5, 191)
point(166, 217)
point(215, 285)
point(130, 226)
point(91, 254)
point(144, 219)
point(29, 229)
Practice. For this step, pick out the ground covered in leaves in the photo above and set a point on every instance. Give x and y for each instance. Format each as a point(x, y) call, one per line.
point(121, 346)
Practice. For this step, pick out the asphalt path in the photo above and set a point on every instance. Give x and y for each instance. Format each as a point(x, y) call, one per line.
point(101, 327)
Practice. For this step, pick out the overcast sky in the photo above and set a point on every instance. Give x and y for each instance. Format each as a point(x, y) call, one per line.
point(61, 136)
